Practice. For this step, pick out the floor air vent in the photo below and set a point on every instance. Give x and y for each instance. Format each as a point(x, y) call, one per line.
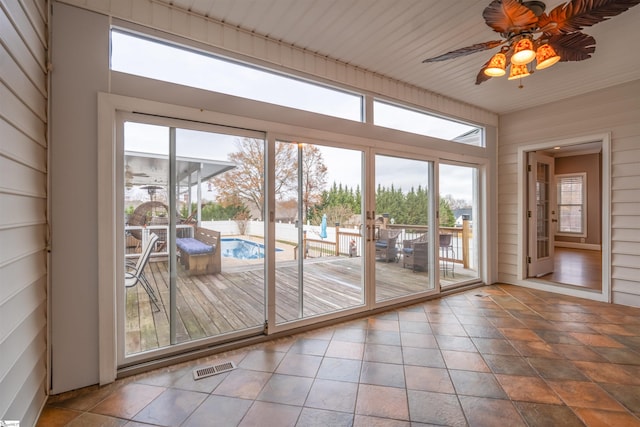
point(207, 371)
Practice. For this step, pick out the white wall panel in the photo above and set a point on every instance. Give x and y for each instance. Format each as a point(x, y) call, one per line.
point(20, 116)
point(21, 241)
point(624, 183)
point(161, 16)
point(120, 7)
point(20, 179)
point(140, 12)
point(622, 221)
point(625, 196)
point(20, 210)
point(626, 157)
point(23, 192)
point(37, 16)
point(28, 363)
point(625, 247)
point(615, 111)
point(22, 353)
point(32, 38)
point(80, 48)
point(625, 208)
point(13, 77)
point(197, 28)
point(626, 234)
point(35, 383)
point(626, 260)
point(33, 67)
point(20, 274)
point(17, 310)
point(19, 147)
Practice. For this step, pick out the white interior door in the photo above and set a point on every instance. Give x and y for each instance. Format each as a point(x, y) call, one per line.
point(541, 213)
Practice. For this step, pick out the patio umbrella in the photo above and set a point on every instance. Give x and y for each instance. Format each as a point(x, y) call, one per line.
point(323, 227)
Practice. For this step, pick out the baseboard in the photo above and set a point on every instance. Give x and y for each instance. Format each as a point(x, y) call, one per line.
point(572, 245)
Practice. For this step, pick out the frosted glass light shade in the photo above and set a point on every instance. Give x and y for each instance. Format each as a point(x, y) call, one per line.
point(523, 52)
point(497, 65)
point(518, 71)
point(546, 56)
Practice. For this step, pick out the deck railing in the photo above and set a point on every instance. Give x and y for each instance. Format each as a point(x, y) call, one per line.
point(460, 240)
point(348, 242)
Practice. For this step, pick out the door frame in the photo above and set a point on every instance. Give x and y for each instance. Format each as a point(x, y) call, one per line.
point(605, 293)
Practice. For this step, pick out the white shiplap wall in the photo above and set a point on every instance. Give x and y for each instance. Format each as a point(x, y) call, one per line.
point(23, 212)
point(616, 111)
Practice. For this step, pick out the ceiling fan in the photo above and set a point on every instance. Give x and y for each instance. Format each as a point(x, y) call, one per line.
point(529, 33)
point(130, 176)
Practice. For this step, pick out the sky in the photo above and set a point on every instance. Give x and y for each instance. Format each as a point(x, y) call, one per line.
point(160, 61)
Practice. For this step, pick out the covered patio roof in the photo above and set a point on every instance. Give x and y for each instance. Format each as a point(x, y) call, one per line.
point(153, 169)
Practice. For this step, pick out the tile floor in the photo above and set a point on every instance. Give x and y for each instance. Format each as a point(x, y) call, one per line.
point(492, 356)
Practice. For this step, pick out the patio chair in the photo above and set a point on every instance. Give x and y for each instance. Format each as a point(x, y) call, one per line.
point(135, 272)
point(447, 254)
point(415, 254)
point(386, 245)
point(140, 217)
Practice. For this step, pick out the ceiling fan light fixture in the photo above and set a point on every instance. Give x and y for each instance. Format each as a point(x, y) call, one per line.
point(497, 65)
point(523, 52)
point(518, 71)
point(527, 33)
point(546, 56)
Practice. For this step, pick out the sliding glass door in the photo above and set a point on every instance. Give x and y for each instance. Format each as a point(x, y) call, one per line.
point(458, 238)
point(213, 218)
point(193, 255)
point(318, 221)
point(401, 227)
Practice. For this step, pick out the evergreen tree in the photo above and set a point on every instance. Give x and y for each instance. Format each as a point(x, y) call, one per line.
point(447, 219)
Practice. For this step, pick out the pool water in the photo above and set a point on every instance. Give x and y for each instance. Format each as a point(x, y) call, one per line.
point(242, 249)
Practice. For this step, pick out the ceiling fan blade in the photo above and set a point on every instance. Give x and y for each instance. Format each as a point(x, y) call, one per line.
point(478, 47)
point(509, 16)
point(577, 14)
point(573, 47)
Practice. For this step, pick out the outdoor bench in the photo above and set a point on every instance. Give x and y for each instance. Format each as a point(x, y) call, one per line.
point(200, 254)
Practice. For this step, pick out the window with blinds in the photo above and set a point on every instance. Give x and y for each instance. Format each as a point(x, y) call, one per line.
point(572, 207)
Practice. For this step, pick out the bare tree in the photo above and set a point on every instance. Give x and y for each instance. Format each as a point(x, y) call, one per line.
point(456, 203)
point(246, 181)
point(340, 214)
point(314, 177)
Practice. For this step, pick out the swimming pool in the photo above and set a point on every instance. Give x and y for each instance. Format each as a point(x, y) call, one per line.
point(242, 249)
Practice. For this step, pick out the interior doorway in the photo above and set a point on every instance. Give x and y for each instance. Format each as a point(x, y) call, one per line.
point(574, 223)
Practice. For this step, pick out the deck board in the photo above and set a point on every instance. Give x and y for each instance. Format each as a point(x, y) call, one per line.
point(233, 300)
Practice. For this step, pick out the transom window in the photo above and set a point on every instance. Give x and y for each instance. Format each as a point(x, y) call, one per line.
point(162, 60)
point(177, 64)
point(419, 122)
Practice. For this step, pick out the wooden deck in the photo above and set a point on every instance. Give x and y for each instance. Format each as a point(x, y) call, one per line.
point(233, 300)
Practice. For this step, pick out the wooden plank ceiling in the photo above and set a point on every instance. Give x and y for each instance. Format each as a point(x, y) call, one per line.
point(392, 37)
